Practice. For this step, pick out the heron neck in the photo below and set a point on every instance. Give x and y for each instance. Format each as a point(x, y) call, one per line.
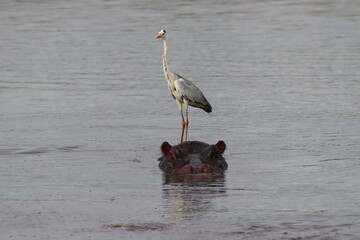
point(164, 58)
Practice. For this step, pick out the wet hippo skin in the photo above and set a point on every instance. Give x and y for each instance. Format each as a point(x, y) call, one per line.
point(193, 157)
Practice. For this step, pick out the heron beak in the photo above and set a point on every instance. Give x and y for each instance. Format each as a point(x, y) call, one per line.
point(159, 35)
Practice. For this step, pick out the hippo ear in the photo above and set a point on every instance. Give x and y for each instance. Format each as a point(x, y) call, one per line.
point(221, 146)
point(165, 147)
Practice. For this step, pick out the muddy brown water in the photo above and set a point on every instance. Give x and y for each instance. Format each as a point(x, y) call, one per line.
point(84, 108)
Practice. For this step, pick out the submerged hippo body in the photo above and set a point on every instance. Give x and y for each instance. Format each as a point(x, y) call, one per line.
point(193, 157)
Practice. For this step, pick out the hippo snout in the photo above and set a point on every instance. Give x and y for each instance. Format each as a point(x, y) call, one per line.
point(206, 168)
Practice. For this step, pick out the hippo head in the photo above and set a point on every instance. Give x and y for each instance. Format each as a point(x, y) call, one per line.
point(193, 157)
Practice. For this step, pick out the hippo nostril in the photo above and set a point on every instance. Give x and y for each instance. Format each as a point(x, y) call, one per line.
point(207, 168)
point(187, 169)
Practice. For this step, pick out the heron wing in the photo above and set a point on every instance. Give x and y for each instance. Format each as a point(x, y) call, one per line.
point(187, 90)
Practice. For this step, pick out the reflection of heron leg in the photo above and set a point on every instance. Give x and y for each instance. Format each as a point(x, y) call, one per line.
point(183, 120)
point(186, 103)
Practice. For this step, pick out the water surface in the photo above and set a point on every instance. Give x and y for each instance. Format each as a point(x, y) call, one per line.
point(84, 108)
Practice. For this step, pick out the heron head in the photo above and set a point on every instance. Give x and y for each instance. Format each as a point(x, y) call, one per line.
point(161, 34)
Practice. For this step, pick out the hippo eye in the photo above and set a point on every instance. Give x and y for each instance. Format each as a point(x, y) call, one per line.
point(173, 157)
point(170, 157)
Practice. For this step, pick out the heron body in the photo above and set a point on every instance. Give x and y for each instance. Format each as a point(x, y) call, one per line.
point(182, 90)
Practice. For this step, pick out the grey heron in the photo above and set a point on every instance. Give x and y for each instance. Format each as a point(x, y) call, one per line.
point(182, 90)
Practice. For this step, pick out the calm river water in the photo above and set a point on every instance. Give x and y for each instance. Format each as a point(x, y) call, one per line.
point(84, 108)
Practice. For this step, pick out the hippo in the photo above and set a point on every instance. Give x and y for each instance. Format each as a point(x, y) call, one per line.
point(193, 157)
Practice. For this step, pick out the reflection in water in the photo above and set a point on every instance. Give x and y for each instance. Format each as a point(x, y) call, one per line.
point(189, 195)
point(78, 85)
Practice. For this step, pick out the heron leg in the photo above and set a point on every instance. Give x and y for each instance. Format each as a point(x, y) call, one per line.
point(183, 120)
point(186, 103)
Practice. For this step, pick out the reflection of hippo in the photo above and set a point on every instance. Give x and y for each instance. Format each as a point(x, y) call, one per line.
point(193, 157)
